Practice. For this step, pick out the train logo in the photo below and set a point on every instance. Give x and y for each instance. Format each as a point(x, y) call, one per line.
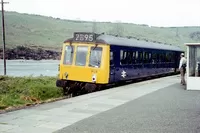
point(123, 74)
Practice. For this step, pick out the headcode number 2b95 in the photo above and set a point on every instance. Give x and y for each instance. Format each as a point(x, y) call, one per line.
point(84, 37)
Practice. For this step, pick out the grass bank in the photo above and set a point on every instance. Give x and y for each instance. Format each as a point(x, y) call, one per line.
point(17, 91)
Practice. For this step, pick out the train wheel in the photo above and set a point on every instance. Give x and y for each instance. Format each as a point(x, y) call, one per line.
point(90, 87)
point(65, 91)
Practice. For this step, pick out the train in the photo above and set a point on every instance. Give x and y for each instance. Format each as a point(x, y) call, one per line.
point(90, 61)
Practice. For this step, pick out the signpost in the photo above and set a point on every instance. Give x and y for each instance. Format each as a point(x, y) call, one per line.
point(3, 33)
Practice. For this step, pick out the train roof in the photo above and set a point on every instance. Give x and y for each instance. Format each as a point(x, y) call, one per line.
point(122, 41)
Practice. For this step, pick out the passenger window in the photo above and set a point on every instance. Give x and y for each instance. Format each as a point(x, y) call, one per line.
point(145, 57)
point(68, 55)
point(154, 58)
point(95, 57)
point(81, 55)
point(173, 57)
point(140, 58)
point(134, 58)
point(129, 57)
point(150, 58)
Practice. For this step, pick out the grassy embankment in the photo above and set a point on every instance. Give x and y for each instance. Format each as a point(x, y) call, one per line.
point(49, 33)
point(18, 91)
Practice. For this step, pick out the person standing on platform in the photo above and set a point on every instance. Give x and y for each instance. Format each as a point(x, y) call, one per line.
point(182, 68)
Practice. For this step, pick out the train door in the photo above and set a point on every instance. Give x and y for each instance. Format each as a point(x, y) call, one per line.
point(112, 66)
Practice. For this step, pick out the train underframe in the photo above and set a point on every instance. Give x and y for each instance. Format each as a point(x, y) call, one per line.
point(77, 88)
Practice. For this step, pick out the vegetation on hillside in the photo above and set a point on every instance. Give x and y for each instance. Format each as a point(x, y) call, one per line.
point(48, 32)
point(16, 91)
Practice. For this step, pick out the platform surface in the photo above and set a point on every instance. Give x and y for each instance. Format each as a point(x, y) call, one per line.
point(157, 105)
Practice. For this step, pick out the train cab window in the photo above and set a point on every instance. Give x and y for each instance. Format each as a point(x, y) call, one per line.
point(95, 57)
point(81, 55)
point(68, 55)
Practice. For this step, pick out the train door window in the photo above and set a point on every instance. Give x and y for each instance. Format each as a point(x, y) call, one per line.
point(95, 57)
point(111, 58)
point(81, 55)
point(123, 57)
point(68, 55)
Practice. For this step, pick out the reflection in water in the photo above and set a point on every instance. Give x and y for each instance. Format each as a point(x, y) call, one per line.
point(30, 67)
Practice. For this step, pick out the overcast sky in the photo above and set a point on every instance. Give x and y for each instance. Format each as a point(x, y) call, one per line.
point(151, 12)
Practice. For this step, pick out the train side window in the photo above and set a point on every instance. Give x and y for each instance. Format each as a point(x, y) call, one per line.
point(129, 57)
point(154, 57)
point(160, 57)
point(68, 55)
point(168, 57)
point(173, 57)
point(134, 57)
point(145, 57)
point(81, 55)
point(150, 58)
point(140, 57)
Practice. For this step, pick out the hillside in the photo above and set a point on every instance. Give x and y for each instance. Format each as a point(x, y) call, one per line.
point(48, 32)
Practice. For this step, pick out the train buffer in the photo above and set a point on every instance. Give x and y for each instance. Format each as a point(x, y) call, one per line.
point(153, 106)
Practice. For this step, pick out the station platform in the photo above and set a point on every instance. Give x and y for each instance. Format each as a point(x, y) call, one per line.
point(153, 106)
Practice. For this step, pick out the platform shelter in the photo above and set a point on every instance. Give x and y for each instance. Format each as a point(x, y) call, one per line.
point(193, 66)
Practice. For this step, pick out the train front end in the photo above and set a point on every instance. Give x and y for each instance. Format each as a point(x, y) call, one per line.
point(84, 64)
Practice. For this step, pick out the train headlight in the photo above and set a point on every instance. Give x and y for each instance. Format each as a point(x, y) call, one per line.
point(94, 78)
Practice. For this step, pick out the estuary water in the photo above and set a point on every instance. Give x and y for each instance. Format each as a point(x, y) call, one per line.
point(34, 68)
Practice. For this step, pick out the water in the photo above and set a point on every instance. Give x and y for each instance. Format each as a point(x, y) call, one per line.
point(30, 67)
